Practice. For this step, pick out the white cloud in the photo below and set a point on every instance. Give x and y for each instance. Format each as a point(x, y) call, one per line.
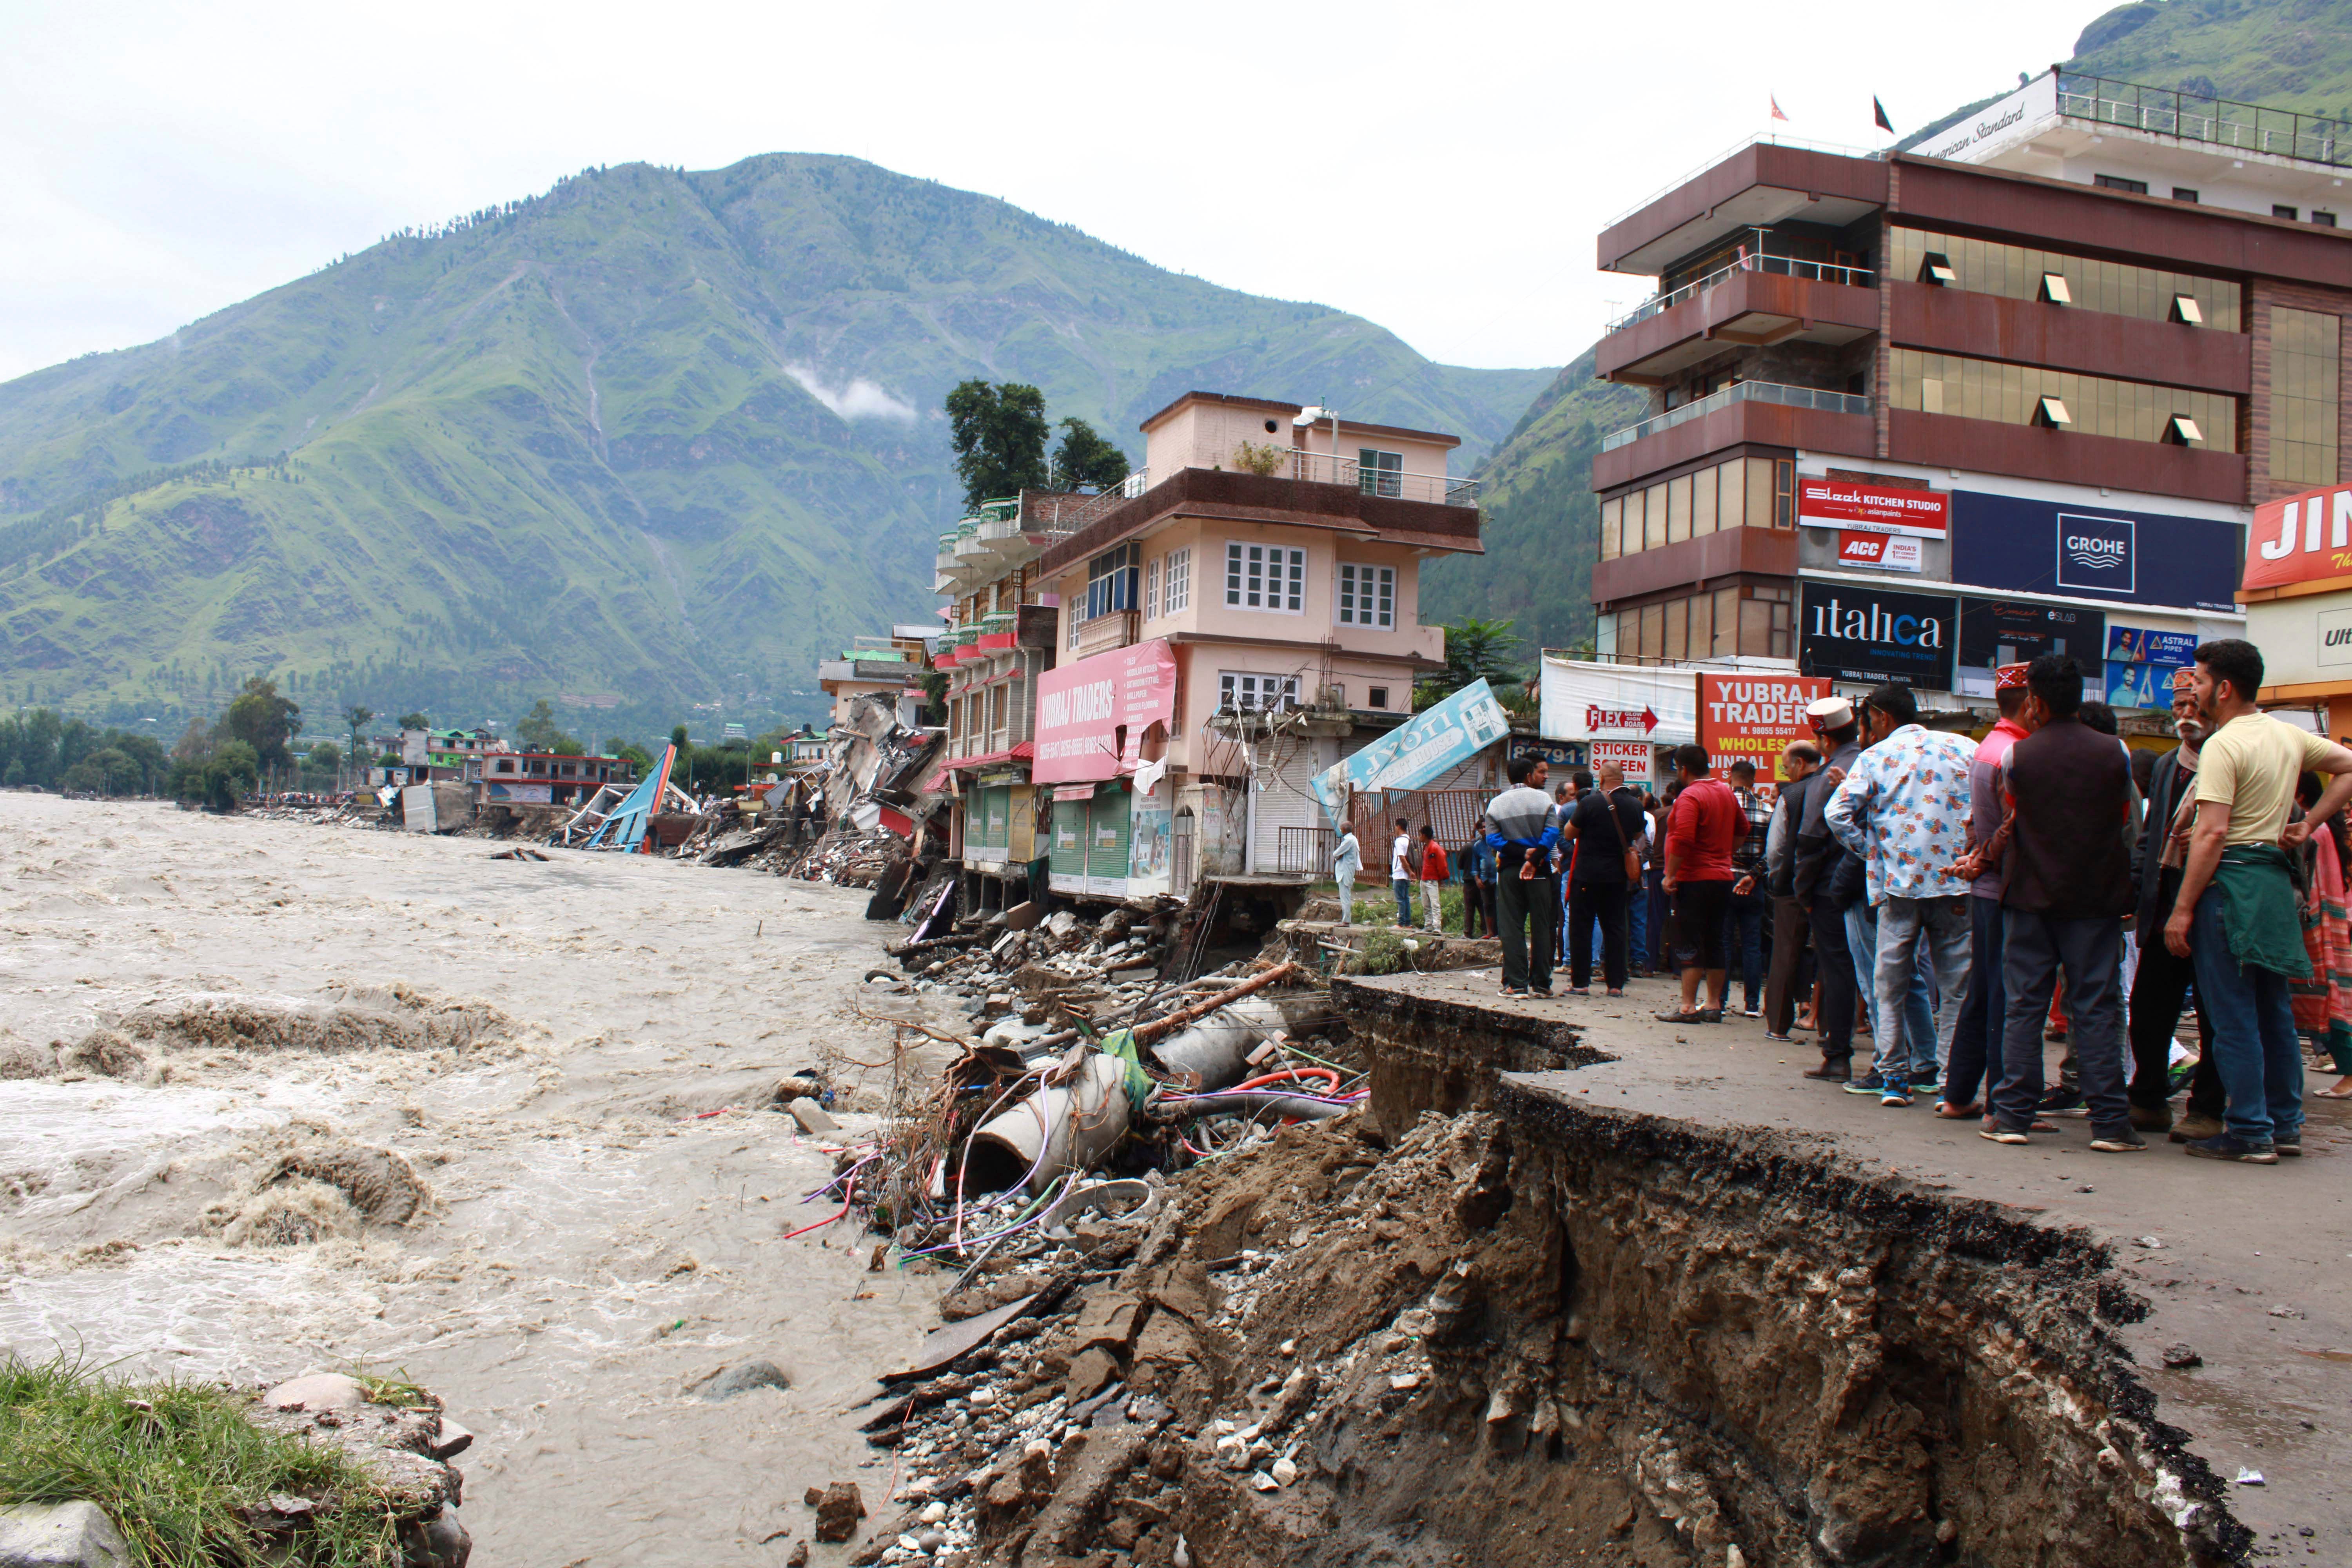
point(861, 399)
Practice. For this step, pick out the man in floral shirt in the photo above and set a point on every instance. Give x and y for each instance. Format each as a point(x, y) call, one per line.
point(1905, 810)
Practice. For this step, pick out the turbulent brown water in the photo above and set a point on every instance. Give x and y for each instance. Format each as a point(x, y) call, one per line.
point(283, 1038)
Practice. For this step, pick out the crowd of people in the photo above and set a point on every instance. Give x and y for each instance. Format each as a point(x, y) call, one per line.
point(1962, 902)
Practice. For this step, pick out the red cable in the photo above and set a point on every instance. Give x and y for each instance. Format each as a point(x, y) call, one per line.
point(848, 1198)
point(1327, 1074)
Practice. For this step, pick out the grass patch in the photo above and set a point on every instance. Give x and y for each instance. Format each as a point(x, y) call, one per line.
point(181, 1471)
point(1384, 951)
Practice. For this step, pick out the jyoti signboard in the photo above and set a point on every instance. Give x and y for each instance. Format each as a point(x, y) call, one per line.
point(1753, 718)
point(1417, 751)
point(1091, 715)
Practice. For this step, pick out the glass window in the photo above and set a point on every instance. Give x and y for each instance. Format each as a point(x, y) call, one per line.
point(1784, 492)
point(1986, 267)
point(1654, 629)
point(1179, 580)
point(1702, 503)
point(1151, 590)
point(1111, 581)
point(1653, 517)
point(1242, 691)
point(1756, 627)
point(1380, 473)
point(2010, 393)
point(1731, 494)
point(1677, 629)
point(2306, 351)
point(1726, 623)
point(1678, 504)
point(1612, 518)
point(1265, 577)
point(1702, 626)
point(1760, 492)
point(1367, 595)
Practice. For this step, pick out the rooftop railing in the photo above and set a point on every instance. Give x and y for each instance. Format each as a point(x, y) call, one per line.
point(1738, 392)
point(2220, 122)
point(1323, 469)
point(1786, 266)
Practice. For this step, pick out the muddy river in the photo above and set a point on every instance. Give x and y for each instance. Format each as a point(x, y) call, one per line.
point(537, 1045)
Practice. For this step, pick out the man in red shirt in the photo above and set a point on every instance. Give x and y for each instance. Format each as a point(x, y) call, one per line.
point(1706, 821)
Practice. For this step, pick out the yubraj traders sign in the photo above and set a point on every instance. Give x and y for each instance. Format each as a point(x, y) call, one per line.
point(1091, 715)
point(2303, 539)
point(1753, 717)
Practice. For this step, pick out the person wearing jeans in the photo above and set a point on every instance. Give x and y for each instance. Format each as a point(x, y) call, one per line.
point(1974, 1060)
point(2065, 887)
point(1433, 874)
point(1743, 937)
point(1522, 831)
point(2237, 910)
point(1820, 857)
point(1400, 872)
point(1904, 808)
point(2162, 981)
point(1607, 822)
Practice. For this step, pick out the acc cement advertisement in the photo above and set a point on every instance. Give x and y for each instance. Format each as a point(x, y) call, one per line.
point(1416, 750)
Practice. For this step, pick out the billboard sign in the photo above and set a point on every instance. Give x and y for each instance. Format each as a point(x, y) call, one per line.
point(2147, 644)
point(1091, 715)
point(1886, 551)
point(1746, 718)
point(1632, 757)
point(1435, 739)
point(1587, 701)
point(1994, 632)
point(2140, 685)
point(1849, 631)
point(2304, 538)
point(2015, 544)
point(1855, 508)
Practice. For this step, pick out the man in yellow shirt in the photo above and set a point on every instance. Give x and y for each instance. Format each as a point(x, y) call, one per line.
point(2236, 915)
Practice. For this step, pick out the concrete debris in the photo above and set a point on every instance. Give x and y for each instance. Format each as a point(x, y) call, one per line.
point(394, 1431)
point(61, 1535)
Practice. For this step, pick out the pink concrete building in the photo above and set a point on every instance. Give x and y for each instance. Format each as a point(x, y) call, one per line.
point(1271, 558)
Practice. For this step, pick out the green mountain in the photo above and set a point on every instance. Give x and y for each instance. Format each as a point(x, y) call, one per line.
point(1542, 522)
point(653, 439)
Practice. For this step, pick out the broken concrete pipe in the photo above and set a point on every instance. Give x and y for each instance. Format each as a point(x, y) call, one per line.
point(1059, 1128)
point(1214, 1053)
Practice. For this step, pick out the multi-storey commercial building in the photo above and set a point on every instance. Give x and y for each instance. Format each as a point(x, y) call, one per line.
point(1230, 631)
point(999, 639)
point(1917, 415)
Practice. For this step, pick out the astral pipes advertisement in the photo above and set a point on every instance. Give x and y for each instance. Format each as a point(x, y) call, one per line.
point(1416, 750)
point(1091, 715)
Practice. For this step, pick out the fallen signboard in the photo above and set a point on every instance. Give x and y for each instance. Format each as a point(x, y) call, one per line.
point(1437, 738)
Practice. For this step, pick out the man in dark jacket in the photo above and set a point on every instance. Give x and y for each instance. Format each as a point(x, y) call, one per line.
point(2163, 980)
point(2065, 887)
point(1819, 855)
point(1792, 930)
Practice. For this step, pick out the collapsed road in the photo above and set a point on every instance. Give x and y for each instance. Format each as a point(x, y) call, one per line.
point(1469, 1281)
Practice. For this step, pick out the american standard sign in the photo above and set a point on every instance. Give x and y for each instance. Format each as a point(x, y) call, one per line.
point(1848, 632)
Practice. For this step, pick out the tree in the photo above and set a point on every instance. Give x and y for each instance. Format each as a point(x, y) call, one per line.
point(104, 771)
point(264, 721)
point(1474, 649)
point(1085, 460)
point(355, 717)
point(999, 434)
point(415, 721)
point(194, 744)
point(222, 779)
point(677, 737)
point(539, 732)
point(324, 759)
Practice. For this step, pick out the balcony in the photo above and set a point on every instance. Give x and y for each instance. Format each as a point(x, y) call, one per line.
point(1323, 469)
point(1761, 183)
point(2216, 122)
point(1763, 413)
point(1728, 552)
point(1755, 303)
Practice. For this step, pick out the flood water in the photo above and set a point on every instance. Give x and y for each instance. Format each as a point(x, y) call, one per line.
point(592, 1243)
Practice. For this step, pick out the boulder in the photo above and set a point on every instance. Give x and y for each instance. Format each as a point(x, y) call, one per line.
point(839, 1510)
point(436, 1541)
point(742, 1378)
point(317, 1391)
point(60, 1535)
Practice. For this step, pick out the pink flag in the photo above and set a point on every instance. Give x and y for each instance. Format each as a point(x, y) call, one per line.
point(1775, 107)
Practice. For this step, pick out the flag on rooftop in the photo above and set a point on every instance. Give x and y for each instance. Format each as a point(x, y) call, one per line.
point(1776, 106)
point(1878, 112)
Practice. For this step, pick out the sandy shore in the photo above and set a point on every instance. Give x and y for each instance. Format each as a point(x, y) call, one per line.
point(588, 1243)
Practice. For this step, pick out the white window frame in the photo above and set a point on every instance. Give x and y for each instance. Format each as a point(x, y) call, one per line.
point(1151, 589)
point(1178, 580)
point(1071, 618)
point(1272, 573)
point(1356, 582)
point(1382, 475)
point(1247, 692)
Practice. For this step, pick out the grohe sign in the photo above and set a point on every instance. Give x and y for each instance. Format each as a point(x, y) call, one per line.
point(2017, 544)
point(2095, 554)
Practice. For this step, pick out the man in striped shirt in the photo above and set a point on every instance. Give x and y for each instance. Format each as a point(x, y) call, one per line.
point(1523, 829)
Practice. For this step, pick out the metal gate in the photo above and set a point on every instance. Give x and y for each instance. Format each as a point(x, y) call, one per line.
point(1179, 855)
point(1304, 851)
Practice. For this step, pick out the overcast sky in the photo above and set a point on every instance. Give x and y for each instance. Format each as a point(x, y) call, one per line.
point(1442, 169)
